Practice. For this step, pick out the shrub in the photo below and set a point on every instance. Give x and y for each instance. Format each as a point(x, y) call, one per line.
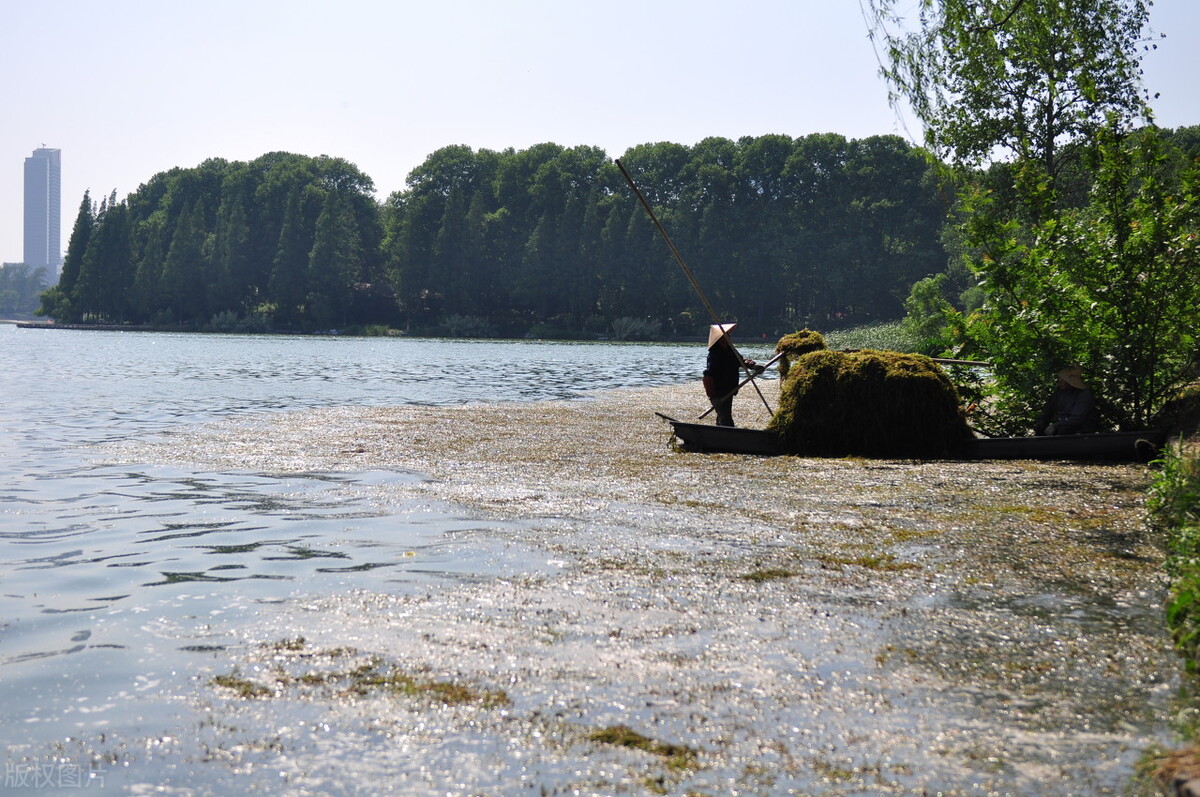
point(1174, 507)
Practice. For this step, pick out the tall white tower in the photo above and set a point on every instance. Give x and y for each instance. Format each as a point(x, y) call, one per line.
point(43, 211)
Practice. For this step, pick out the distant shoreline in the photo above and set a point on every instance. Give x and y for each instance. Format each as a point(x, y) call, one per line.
point(27, 324)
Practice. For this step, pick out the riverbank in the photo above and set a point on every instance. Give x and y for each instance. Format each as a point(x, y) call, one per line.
point(765, 625)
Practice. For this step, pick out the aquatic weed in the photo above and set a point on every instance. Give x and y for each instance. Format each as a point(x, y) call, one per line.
point(869, 403)
point(767, 574)
point(243, 687)
point(677, 756)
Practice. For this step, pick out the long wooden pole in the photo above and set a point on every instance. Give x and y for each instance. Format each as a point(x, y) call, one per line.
point(692, 279)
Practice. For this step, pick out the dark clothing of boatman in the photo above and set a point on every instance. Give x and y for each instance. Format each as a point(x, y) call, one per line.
point(1071, 410)
point(722, 373)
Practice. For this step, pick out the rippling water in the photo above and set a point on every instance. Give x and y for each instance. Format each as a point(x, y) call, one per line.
point(111, 574)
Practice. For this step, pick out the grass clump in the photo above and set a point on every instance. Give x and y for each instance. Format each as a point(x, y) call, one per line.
point(883, 562)
point(869, 403)
point(370, 677)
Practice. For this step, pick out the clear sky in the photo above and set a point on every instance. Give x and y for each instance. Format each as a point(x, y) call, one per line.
point(129, 88)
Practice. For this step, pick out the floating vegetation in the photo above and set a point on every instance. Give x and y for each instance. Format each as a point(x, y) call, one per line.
point(883, 562)
point(243, 687)
point(869, 403)
point(677, 756)
point(372, 676)
point(767, 574)
point(293, 645)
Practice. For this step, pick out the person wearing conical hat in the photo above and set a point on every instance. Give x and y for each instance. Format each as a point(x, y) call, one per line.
point(721, 374)
point(1071, 410)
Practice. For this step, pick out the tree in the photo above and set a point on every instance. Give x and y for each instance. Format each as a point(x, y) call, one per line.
point(183, 270)
point(1111, 286)
point(1095, 274)
point(289, 276)
point(234, 282)
point(333, 262)
point(60, 301)
point(20, 285)
point(1018, 76)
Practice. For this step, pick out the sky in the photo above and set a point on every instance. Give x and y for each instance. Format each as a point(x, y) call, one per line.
point(130, 88)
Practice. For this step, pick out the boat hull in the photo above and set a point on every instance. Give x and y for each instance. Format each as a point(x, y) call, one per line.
point(1116, 446)
point(1110, 446)
point(711, 439)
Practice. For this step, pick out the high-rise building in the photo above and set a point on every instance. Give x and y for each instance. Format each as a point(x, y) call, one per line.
point(43, 211)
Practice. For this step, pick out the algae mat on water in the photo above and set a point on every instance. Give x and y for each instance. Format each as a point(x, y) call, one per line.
point(836, 626)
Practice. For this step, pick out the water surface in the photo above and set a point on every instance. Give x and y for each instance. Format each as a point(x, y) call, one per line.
point(113, 576)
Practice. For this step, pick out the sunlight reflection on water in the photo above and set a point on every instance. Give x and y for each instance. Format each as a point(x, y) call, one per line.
point(111, 574)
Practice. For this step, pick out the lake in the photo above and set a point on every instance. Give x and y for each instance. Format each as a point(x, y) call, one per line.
point(113, 574)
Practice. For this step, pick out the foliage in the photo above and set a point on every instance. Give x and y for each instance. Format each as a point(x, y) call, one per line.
point(1174, 507)
point(547, 240)
point(926, 313)
point(223, 239)
point(869, 403)
point(464, 326)
point(230, 321)
point(777, 230)
point(886, 336)
point(1110, 286)
point(20, 285)
point(1019, 76)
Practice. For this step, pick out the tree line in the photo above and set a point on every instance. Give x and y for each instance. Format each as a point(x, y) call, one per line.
point(20, 286)
point(781, 232)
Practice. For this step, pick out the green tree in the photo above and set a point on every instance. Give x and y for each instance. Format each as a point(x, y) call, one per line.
point(333, 262)
point(20, 285)
point(1021, 76)
point(1110, 286)
point(102, 290)
point(183, 273)
point(289, 277)
point(60, 301)
point(234, 280)
point(1077, 232)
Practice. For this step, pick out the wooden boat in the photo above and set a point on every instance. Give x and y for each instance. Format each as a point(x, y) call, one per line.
point(1117, 446)
point(712, 439)
point(1111, 446)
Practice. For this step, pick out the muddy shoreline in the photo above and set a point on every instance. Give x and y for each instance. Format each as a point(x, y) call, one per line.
point(791, 625)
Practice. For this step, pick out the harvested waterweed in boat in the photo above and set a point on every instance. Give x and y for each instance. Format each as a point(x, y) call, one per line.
point(795, 346)
point(869, 403)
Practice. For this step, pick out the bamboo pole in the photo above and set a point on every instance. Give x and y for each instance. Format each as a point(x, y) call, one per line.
point(695, 285)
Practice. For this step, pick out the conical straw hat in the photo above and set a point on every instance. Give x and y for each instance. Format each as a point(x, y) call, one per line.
point(1072, 375)
point(714, 332)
